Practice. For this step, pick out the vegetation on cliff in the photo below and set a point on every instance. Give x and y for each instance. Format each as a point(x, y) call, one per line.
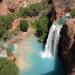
point(32, 10)
point(6, 21)
point(5, 25)
point(24, 25)
point(2, 30)
point(8, 67)
point(41, 26)
point(9, 49)
point(73, 13)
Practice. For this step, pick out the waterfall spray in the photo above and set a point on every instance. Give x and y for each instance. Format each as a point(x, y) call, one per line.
point(52, 41)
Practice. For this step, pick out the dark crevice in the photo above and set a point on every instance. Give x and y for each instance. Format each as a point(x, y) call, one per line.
point(1, 0)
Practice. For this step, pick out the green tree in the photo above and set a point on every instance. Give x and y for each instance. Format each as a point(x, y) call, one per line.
point(7, 35)
point(73, 13)
point(42, 27)
point(6, 21)
point(8, 67)
point(24, 25)
point(9, 50)
point(23, 12)
point(32, 10)
point(2, 30)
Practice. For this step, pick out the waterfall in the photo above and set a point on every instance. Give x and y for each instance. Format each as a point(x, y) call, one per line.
point(52, 41)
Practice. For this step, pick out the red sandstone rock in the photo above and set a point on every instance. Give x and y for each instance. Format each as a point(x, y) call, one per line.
point(15, 24)
point(67, 46)
point(12, 5)
point(3, 8)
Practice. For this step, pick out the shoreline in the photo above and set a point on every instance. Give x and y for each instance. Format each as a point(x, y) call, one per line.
point(21, 51)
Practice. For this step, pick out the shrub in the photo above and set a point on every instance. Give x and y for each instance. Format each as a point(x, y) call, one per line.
point(32, 10)
point(33, 24)
point(23, 12)
point(6, 21)
point(24, 25)
point(7, 35)
point(8, 67)
point(9, 50)
point(42, 27)
point(2, 30)
point(5, 24)
point(73, 13)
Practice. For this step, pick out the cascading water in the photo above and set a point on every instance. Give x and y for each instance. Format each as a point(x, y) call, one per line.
point(52, 41)
point(53, 38)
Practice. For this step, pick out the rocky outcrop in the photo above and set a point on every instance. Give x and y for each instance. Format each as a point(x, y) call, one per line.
point(64, 3)
point(3, 8)
point(15, 24)
point(15, 4)
point(67, 46)
point(12, 5)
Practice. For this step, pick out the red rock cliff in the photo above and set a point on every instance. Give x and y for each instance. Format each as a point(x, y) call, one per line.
point(12, 5)
point(67, 46)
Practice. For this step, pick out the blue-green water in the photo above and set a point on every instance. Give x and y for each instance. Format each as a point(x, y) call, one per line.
point(40, 66)
point(63, 19)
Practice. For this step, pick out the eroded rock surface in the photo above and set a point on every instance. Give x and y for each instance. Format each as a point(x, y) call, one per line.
point(67, 46)
point(12, 5)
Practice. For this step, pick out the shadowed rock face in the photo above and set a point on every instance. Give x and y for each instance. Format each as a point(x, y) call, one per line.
point(67, 46)
point(1, 0)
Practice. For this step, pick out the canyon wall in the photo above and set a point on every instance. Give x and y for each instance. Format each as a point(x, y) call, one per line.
point(67, 40)
point(67, 46)
point(12, 5)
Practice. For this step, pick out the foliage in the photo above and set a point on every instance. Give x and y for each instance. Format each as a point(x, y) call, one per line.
point(41, 27)
point(6, 21)
point(24, 25)
point(5, 24)
point(32, 10)
point(73, 13)
point(8, 67)
point(7, 35)
point(23, 12)
point(9, 50)
point(33, 24)
point(2, 30)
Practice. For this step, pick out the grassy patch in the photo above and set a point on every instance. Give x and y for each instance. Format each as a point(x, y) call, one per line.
point(8, 67)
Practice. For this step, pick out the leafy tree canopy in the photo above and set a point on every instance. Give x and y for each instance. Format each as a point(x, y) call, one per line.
point(8, 67)
point(24, 25)
point(73, 13)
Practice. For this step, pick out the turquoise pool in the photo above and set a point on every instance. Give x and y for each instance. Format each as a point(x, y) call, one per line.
point(40, 66)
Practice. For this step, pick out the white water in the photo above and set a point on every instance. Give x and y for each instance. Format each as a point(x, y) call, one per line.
point(52, 41)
